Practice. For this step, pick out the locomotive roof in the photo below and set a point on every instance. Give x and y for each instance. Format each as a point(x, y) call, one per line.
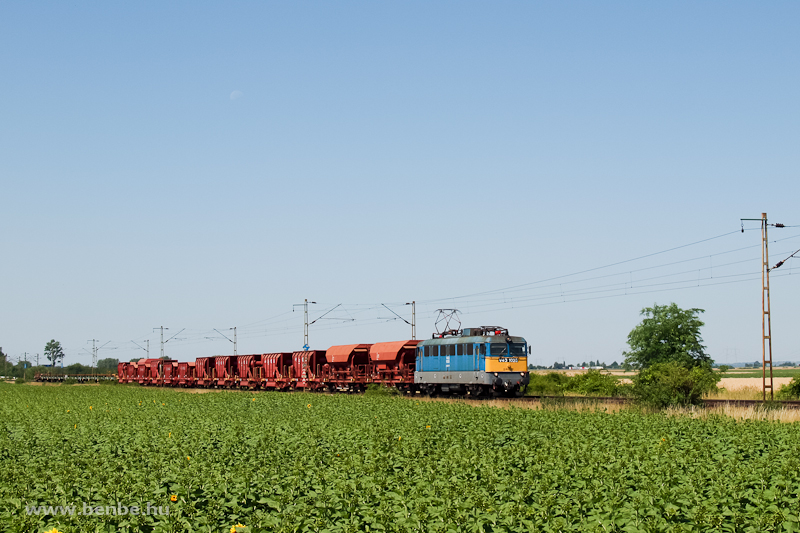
point(472, 339)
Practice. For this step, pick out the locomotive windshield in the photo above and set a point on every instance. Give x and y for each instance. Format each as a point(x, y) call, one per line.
point(501, 348)
point(498, 348)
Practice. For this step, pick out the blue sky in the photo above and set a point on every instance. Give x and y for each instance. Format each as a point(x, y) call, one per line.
point(208, 165)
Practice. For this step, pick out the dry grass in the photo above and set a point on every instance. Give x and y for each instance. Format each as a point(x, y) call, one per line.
point(742, 393)
point(739, 413)
point(551, 405)
point(783, 414)
point(746, 383)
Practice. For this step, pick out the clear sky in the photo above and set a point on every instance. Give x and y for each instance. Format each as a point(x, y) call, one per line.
point(205, 165)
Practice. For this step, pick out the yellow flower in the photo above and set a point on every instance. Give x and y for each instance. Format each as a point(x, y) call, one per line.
point(254, 399)
point(54, 530)
point(173, 498)
point(170, 435)
point(309, 406)
point(76, 426)
point(187, 457)
point(68, 410)
point(90, 407)
point(233, 528)
point(163, 404)
point(399, 438)
point(427, 427)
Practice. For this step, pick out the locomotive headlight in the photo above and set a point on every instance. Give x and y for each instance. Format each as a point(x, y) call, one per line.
point(495, 374)
point(522, 374)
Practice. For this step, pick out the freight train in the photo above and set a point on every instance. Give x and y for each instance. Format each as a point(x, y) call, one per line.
point(484, 361)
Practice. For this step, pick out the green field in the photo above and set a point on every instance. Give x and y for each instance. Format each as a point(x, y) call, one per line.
point(757, 373)
point(303, 462)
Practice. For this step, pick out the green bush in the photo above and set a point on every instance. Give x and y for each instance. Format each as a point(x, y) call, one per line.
point(790, 391)
point(550, 384)
point(20, 381)
point(69, 381)
point(376, 389)
point(594, 383)
point(665, 384)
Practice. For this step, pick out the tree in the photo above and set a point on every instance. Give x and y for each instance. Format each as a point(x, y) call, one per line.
point(53, 352)
point(671, 383)
point(107, 365)
point(77, 368)
point(667, 334)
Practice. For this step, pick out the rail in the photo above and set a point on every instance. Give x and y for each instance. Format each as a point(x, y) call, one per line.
point(709, 402)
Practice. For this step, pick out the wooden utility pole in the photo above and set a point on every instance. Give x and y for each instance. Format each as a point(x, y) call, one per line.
point(766, 325)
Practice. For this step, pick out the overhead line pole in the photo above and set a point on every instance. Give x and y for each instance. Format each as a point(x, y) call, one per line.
point(145, 349)
point(305, 322)
point(413, 319)
point(163, 342)
point(162, 339)
point(766, 322)
point(766, 315)
point(226, 337)
point(94, 353)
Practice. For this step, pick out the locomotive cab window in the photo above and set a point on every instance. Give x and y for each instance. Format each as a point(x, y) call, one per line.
point(498, 348)
point(518, 348)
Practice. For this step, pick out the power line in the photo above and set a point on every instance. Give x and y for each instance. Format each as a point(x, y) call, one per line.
point(589, 269)
point(273, 325)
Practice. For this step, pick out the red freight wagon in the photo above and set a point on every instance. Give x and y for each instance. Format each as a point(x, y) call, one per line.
point(169, 373)
point(121, 372)
point(307, 369)
point(204, 372)
point(224, 370)
point(394, 362)
point(275, 370)
point(185, 376)
point(348, 366)
point(131, 371)
point(156, 367)
point(249, 370)
point(143, 371)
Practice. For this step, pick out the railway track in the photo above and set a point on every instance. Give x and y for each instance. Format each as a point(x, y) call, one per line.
point(789, 404)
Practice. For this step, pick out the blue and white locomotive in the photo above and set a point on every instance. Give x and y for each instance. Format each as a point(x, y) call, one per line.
point(473, 361)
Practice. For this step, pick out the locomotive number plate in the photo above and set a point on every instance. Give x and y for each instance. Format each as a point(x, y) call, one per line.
point(509, 360)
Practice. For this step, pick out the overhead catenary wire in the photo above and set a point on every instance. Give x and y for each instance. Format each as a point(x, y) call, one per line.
point(780, 263)
point(592, 269)
point(515, 297)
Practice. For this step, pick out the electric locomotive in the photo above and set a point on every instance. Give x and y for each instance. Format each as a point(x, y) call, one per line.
point(473, 361)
